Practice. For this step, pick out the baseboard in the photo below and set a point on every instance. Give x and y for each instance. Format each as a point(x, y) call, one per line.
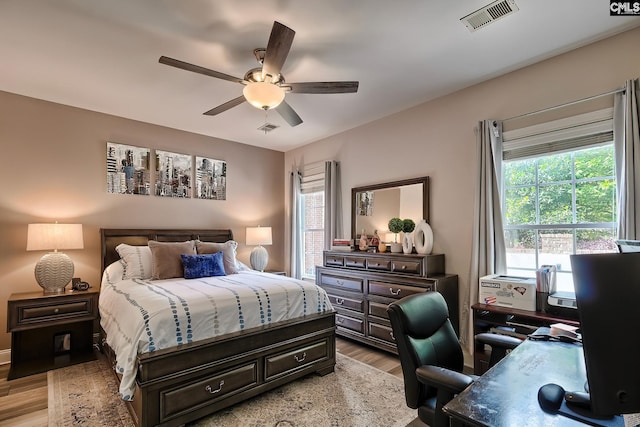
point(5, 356)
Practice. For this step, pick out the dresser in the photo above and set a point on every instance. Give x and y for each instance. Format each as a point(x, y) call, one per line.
point(361, 285)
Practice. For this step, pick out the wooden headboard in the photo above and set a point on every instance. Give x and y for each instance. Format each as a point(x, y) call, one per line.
point(112, 237)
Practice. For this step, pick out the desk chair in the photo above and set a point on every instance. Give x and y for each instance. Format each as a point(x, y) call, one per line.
point(431, 356)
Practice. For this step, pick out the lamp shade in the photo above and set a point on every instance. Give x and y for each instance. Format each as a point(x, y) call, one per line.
point(46, 237)
point(259, 236)
point(263, 94)
point(54, 270)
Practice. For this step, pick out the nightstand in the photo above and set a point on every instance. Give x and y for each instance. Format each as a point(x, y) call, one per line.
point(279, 273)
point(50, 331)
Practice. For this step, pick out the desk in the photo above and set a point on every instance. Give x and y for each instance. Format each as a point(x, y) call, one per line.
point(507, 394)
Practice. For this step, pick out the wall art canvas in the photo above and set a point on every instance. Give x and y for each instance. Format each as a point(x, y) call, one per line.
point(173, 174)
point(211, 179)
point(128, 170)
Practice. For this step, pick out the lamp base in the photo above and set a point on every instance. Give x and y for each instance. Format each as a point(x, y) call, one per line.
point(53, 272)
point(259, 258)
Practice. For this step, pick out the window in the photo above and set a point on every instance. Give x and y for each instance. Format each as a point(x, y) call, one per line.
point(312, 214)
point(558, 203)
point(312, 232)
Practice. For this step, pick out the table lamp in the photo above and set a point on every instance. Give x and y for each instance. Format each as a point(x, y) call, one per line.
point(54, 270)
point(259, 256)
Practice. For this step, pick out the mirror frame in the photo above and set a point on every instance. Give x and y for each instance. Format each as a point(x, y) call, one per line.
point(425, 197)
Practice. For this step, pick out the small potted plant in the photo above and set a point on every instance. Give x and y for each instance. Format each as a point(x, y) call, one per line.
point(408, 225)
point(396, 225)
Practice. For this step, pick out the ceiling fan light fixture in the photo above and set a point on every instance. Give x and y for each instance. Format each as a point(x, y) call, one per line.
point(263, 95)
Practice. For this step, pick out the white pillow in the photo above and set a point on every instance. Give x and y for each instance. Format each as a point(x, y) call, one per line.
point(137, 261)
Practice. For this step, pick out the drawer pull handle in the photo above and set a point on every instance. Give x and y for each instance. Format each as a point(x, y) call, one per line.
point(301, 359)
point(404, 267)
point(340, 282)
point(56, 310)
point(396, 293)
point(339, 301)
point(392, 337)
point(210, 390)
point(339, 319)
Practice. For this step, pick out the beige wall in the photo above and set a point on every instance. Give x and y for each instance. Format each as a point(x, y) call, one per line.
point(437, 139)
point(53, 168)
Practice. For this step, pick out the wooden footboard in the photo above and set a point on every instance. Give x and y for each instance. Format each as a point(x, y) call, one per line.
point(188, 382)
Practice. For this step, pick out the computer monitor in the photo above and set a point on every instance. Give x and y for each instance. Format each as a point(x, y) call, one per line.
point(608, 295)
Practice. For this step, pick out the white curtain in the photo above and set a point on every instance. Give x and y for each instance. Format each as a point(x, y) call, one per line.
point(488, 254)
point(332, 203)
point(296, 225)
point(626, 136)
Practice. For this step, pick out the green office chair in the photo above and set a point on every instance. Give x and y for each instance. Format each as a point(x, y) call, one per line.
point(431, 356)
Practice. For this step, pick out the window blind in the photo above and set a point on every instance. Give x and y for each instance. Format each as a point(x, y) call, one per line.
point(312, 178)
point(571, 133)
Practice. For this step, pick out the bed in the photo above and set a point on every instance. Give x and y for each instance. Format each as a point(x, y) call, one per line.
point(174, 382)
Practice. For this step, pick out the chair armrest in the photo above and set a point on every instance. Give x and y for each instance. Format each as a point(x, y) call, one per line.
point(443, 379)
point(498, 341)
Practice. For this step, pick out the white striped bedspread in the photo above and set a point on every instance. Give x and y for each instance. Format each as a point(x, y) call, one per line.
point(146, 315)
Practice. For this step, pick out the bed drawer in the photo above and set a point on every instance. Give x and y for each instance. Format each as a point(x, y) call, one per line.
point(348, 283)
point(381, 332)
point(212, 387)
point(393, 290)
point(339, 301)
point(295, 359)
point(351, 323)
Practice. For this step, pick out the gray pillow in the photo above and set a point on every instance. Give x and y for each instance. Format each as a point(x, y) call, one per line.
point(166, 262)
point(228, 250)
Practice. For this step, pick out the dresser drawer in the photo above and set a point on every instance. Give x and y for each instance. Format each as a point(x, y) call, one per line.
point(342, 282)
point(209, 389)
point(295, 359)
point(339, 301)
point(393, 290)
point(355, 262)
point(382, 332)
point(409, 267)
point(351, 323)
point(379, 264)
point(378, 309)
point(36, 313)
point(334, 260)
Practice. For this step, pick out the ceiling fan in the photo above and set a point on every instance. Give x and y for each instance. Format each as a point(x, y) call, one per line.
point(265, 87)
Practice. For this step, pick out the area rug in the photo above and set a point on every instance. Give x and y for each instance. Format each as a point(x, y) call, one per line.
point(355, 395)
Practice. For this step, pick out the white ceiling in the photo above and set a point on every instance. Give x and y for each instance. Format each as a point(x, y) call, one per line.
point(102, 55)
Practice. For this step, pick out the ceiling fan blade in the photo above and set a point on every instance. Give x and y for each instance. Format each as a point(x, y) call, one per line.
point(288, 114)
point(278, 47)
point(226, 106)
point(197, 69)
point(323, 87)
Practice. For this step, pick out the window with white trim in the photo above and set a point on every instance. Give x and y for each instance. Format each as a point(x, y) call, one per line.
point(559, 198)
point(312, 207)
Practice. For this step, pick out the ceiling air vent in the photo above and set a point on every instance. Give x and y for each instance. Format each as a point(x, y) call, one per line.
point(489, 13)
point(268, 127)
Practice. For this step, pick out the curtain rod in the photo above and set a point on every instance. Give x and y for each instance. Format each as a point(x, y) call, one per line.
point(544, 110)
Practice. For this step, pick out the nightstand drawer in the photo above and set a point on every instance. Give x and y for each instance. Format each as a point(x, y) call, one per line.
point(38, 312)
point(45, 312)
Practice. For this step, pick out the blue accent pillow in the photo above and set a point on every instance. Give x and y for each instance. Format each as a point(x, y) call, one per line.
point(207, 265)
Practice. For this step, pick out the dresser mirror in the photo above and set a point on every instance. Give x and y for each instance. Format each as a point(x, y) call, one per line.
point(372, 206)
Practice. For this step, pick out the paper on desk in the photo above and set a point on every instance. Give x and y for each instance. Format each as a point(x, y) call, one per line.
point(631, 420)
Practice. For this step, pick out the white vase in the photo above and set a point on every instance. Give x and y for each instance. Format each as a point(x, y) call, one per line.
point(423, 238)
point(407, 243)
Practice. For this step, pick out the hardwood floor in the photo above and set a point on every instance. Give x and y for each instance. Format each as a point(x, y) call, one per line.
point(23, 401)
